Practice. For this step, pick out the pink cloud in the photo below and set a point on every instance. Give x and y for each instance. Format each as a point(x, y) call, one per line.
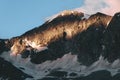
point(106, 6)
point(113, 7)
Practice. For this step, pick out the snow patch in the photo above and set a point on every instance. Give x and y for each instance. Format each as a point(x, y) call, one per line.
point(108, 23)
point(35, 46)
point(86, 16)
point(67, 63)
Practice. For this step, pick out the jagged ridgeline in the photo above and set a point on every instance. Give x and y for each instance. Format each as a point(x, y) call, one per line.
point(89, 37)
point(70, 31)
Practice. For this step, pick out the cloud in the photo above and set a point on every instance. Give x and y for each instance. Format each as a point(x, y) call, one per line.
point(106, 6)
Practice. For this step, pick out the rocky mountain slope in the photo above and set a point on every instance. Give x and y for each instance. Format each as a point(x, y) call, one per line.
point(70, 46)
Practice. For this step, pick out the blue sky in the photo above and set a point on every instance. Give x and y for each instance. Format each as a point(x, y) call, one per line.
point(19, 16)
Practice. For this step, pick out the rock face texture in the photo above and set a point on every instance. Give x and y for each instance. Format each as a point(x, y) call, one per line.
point(88, 37)
point(69, 33)
point(111, 37)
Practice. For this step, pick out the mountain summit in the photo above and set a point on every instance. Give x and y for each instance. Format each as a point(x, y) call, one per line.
point(70, 45)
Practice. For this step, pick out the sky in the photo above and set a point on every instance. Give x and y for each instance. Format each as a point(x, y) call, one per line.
point(19, 16)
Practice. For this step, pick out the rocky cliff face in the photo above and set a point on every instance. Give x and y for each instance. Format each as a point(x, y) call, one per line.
point(111, 39)
point(65, 34)
point(91, 41)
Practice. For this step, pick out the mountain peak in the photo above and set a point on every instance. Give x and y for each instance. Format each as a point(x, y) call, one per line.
point(64, 27)
point(71, 41)
point(69, 12)
point(64, 13)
